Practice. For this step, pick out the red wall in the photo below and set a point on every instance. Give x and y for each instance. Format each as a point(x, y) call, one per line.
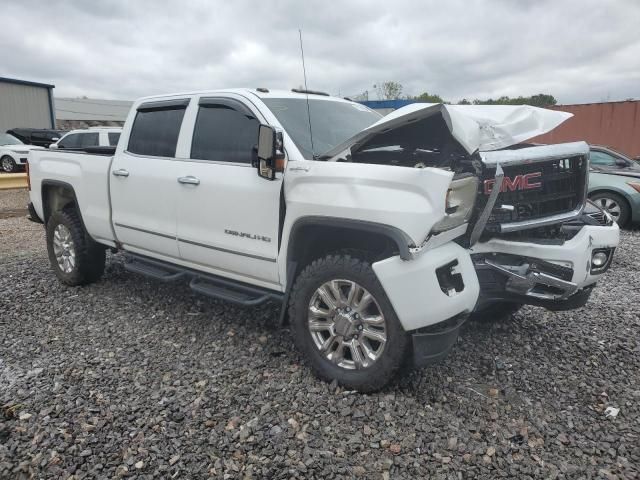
point(614, 124)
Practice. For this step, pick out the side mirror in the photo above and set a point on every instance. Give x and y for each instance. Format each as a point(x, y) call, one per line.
point(621, 163)
point(269, 152)
point(54, 146)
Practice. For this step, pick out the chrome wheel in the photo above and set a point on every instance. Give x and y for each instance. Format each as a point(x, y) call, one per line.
point(64, 249)
point(610, 206)
point(347, 324)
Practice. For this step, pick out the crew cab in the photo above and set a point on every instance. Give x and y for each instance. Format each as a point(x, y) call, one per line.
point(376, 237)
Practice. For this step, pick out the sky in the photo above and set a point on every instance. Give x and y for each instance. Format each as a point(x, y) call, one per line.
point(580, 51)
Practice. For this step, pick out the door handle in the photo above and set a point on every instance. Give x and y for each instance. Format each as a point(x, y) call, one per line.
point(121, 172)
point(189, 180)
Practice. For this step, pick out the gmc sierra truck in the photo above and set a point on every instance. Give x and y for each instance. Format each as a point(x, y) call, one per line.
point(377, 236)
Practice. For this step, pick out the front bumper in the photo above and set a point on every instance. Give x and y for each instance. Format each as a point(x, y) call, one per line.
point(558, 277)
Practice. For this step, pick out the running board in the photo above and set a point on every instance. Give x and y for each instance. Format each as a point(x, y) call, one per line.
point(205, 284)
point(153, 269)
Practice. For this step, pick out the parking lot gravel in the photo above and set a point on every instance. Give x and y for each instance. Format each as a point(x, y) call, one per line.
point(138, 379)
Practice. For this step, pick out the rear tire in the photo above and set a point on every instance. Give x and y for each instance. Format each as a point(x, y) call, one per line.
point(75, 258)
point(496, 312)
point(370, 344)
point(615, 205)
point(8, 164)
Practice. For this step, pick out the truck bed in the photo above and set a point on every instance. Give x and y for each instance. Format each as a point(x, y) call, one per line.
point(88, 173)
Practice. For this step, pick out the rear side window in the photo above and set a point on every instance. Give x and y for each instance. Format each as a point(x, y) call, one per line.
point(89, 140)
point(156, 128)
point(224, 134)
point(113, 138)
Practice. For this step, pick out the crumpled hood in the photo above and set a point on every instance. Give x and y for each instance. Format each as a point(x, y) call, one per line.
point(475, 127)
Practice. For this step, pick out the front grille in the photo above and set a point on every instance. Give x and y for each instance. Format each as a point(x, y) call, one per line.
point(536, 190)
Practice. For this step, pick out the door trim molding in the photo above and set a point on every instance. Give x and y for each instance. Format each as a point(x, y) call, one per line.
point(197, 244)
point(226, 250)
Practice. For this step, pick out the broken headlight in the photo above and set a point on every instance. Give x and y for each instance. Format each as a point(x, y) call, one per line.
point(461, 197)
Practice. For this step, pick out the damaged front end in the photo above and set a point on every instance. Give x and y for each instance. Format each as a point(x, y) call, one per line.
point(521, 211)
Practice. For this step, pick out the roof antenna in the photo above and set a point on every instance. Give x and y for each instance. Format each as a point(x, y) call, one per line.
point(304, 71)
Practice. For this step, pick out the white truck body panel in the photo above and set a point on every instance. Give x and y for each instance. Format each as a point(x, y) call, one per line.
point(89, 176)
point(414, 291)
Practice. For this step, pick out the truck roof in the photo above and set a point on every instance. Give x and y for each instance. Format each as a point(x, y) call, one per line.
point(258, 92)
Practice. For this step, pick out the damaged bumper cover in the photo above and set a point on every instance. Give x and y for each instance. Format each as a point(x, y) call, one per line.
point(432, 295)
point(557, 277)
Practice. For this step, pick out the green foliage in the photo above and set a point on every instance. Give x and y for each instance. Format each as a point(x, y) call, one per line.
point(429, 98)
point(539, 100)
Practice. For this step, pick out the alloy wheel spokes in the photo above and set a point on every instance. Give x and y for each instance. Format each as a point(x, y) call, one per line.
point(346, 324)
point(64, 248)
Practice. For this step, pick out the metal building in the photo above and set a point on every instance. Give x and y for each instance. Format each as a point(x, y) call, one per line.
point(25, 104)
point(89, 112)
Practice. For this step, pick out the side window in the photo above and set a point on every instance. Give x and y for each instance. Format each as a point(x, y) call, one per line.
point(224, 134)
point(89, 140)
point(601, 158)
point(70, 141)
point(156, 128)
point(113, 138)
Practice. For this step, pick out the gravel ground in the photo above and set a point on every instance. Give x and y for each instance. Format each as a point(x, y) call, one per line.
point(132, 378)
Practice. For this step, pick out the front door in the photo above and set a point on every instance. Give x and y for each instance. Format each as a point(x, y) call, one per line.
point(143, 181)
point(228, 217)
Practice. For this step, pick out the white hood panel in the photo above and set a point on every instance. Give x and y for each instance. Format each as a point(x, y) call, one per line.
point(475, 127)
point(485, 127)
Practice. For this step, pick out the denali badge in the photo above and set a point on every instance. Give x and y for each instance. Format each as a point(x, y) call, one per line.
point(519, 182)
point(247, 235)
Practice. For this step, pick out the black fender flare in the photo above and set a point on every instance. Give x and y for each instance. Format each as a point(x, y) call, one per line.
point(397, 236)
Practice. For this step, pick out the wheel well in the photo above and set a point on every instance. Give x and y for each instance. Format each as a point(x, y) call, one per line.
point(313, 241)
point(57, 197)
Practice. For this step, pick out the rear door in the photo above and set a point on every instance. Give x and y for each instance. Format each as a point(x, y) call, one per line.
point(144, 188)
point(228, 217)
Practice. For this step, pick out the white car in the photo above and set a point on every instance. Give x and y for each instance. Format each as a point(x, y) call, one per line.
point(13, 153)
point(92, 137)
point(378, 237)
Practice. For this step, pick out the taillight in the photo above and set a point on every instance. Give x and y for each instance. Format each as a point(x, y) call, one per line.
point(26, 166)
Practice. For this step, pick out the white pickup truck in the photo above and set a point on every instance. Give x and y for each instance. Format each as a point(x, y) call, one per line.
point(378, 237)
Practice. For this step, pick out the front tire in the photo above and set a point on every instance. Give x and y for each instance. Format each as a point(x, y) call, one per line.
point(344, 324)
point(75, 258)
point(8, 164)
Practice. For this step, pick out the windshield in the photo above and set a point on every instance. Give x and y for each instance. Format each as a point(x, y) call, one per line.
point(8, 139)
point(331, 122)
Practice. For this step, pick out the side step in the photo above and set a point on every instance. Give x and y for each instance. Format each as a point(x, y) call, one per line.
point(206, 284)
point(153, 269)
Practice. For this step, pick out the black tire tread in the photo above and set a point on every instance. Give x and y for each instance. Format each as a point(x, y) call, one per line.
point(394, 358)
point(90, 256)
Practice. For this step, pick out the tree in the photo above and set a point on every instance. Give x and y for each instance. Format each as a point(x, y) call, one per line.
point(429, 98)
point(539, 100)
point(389, 90)
point(464, 101)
